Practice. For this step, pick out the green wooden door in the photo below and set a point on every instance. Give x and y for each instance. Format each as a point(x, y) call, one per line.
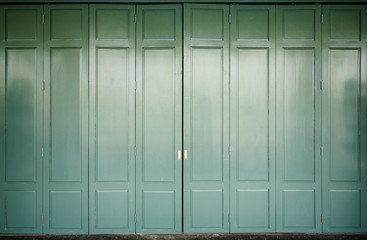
point(159, 119)
point(21, 96)
point(298, 118)
point(252, 90)
point(206, 118)
point(66, 119)
point(344, 119)
point(112, 119)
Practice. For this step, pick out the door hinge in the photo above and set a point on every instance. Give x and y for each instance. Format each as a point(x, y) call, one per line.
point(229, 18)
point(43, 18)
point(322, 18)
point(322, 218)
point(135, 151)
point(43, 85)
point(135, 18)
point(42, 152)
point(321, 151)
point(42, 220)
point(229, 218)
point(229, 84)
point(229, 150)
point(136, 85)
point(321, 85)
point(135, 218)
point(5, 214)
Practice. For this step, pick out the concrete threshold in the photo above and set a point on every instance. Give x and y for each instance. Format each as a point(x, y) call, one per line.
point(277, 236)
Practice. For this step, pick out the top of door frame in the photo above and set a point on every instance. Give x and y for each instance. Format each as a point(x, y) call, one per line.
point(182, 1)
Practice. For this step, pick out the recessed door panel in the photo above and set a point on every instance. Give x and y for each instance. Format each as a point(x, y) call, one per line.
point(253, 209)
point(21, 24)
point(66, 24)
point(206, 23)
point(341, 216)
point(207, 209)
point(253, 92)
point(207, 109)
point(299, 101)
point(344, 115)
point(206, 118)
point(20, 104)
point(158, 210)
point(112, 110)
point(21, 107)
point(65, 166)
point(345, 24)
point(251, 23)
point(160, 28)
point(159, 119)
point(66, 119)
point(299, 203)
point(111, 22)
point(21, 210)
point(158, 115)
point(112, 210)
point(298, 24)
point(65, 212)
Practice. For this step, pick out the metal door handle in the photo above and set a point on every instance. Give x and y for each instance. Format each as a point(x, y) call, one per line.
point(185, 154)
point(179, 155)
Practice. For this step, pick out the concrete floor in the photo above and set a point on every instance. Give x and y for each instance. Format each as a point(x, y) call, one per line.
point(191, 237)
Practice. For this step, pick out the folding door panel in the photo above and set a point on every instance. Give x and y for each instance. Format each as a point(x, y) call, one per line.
point(252, 90)
point(66, 119)
point(298, 118)
point(159, 119)
point(206, 118)
point(112, 119)
point(344, 118)
point(21, 106)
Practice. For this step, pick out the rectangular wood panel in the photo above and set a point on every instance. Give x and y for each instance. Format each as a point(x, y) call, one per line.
point(65, 129)
point(344, 115)
point(112, 210)
point(298, 203)
point(65, 210)
point(299, 102)
point(21, 210)
point(207, 214)
point(112, 114)
point(158, 210)
point(253, 115)
point(158, 115)
point(21, 105)
point(206, 114)
point(254, 210)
